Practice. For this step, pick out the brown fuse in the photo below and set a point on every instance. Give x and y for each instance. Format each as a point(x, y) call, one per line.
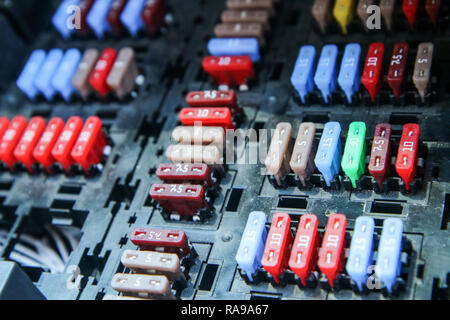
point(240, 30)
point(277, 160)
point(250, 4)
point(123, 74)
point(199, 135)
point(387, 8)
point(361, 10)
point(80, 80)
point(302, 160)
point(151, 262)
point(246, 16)
point(184, 153)
point(321, 11)
point(144, 286)
point(422, 68)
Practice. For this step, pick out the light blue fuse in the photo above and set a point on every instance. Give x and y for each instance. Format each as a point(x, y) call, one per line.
point(97, 17)
point(389, 263)
point(302, 77)
point(25, 82)
point(328, 156)
point(361, 251)
point(349, 78)
point(252, 244)
point(43, 81)
point(62, 81)
point(64, 18)
point(131, 16)
point(325, 78)
point(234, 47)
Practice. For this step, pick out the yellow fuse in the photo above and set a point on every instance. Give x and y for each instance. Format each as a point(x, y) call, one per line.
point(343, 12)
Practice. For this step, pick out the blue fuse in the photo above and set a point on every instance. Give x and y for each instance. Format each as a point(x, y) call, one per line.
point(252, 244)
point(131, 16)
point(302, 77)
point(389, 262)
point(25, 82)
point(96, 18)
point(328, 156)
point(62, 81)
point(325, 78)
point(64, 18)
point(234, 47)
point(361, 251)
point(349, 76)
point(43, 81)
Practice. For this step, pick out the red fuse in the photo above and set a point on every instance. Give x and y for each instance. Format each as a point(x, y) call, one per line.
point(4, 123)
point(397, 67)
point(332, 253)
point(113, 16)
point(153, 14)
point(183, 199)
point(10, 139)
point(432, 8)
point(196, 173)
point(217, 117)
point(304, 252)
point(371, 77)
point(43, 150)
point(278, 245)
point(85, 7)
point(410, 8)
point(64, 145)
point(379, 162)
point(161, 240)
point(213, 98)
point(24, 150)
point(88, 149)
point(405, 164)
point(229, 70)
point(101, 71)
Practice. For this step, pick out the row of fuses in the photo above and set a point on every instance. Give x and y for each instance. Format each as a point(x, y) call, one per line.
point(343, 12)
point(276, 250)
point(103, 16)
point(304, 157)
point(325, 75)
point(73, 72)
point(34, 142)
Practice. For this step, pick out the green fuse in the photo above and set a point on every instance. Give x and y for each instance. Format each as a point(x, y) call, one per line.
point(354, 159)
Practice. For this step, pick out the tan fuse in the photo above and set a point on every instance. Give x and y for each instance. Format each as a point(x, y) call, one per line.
point(80, 80)
point(199, 135)
point(246, 16)
point(122, 77)
point(143, 286)
point(184, 153)
point(321, 11)
point(302, 160)
point(250, 4)
point(422, 68)
point(361, 10)
point(277, 160)
point(387, 8)
point(240, 30)
point(151, 262)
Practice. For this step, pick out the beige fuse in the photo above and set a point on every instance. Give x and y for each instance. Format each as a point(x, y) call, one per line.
point(240, 30)
point(80, 80)
point(143, 286)
point(302, 160)
point(387, 8)
point(422, 68)
point(184, 153)
point(199, 135)
point(246, 16)
point(277, 160)
point(122, 77)
point(321, 11)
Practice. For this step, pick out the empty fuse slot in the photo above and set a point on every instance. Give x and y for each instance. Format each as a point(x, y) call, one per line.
point(387, 207)
point(292, 202)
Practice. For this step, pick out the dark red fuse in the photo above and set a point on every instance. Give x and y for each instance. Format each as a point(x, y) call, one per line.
point(397, 67)
point(153, 14)
point(101, 71)
point(304, 252)
point(379, 162)
point(432, 7)
point(195, 173)
point(332, 253)
point(113, 16)
point(229, 70)
point(213, 98)
point(43, 150)
point(64, 145)
point(88, 149)
point(406, 162)
point(217, 117)
point(10, 139)
point(410, 8)
point(85, 7)
point(371, 77)
point(278, 246)
point(161, 240)
point(4, 123)
point(24, 149)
